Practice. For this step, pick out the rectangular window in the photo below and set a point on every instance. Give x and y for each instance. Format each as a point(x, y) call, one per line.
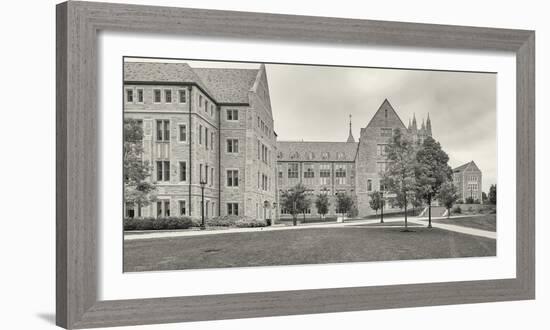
point(168, 95)
point(206, 106)
point(163, 130)
point(293, 171)
point(200, 173)
point(206, 137)
point(309, 173)
point(182, 94)
point(232, 145)
point(232, 178)
point(381, 167)
point(206, 173)
point(200, 101)
point(381, 150)
point(369, 185)
point(129, 96)
point(182, 133)
point(163, 171)
point(166, 208)
point(140, 95)
point(340, 174)
point(156, 96)
point(183, 171)
point(200, 134)
point(232, 208)
point(212, 176)
point(233, 114)
point(281, 174)
point(130, 210)
point(159, 209)
point(182, 208)
point(212, 144)
point(386, 132)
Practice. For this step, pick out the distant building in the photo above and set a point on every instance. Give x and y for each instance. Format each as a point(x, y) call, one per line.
point(467, 179)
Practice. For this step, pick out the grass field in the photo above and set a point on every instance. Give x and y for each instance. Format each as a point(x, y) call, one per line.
point(301, 246)
point(485, 222)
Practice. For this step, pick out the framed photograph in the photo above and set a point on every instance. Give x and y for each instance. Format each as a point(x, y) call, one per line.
point(218, 165)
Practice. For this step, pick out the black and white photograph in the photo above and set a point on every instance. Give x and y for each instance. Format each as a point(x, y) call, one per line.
point(244, 164)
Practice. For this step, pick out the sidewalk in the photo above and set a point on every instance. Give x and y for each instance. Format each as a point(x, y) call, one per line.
point(351, 223)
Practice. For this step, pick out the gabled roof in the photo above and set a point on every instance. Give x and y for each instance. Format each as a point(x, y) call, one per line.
point(464, 167)
point(322, 151)
point(386, 105)
point(228, 85)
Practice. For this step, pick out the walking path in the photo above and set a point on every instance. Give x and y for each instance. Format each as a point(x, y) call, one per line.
point(136, 235)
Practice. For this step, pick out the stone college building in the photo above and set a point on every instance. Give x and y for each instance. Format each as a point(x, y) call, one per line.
point(216, 126)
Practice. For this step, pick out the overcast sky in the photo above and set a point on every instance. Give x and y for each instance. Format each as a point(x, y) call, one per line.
point(313, 103)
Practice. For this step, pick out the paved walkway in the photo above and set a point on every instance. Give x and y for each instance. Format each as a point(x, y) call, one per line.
point(136, 235)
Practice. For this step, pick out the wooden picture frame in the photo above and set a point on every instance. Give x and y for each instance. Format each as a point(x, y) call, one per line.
point(78, 24)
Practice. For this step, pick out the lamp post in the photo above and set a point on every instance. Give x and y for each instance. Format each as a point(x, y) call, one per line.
point(202, 183)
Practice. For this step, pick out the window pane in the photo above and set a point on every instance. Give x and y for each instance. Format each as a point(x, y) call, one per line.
point(157, 96)
point(166, 171)
point(182, 96)
point(168, 96)
point(140, 95)
point(159, 130)
point(166, 130)
point(183, 133)
point(159, 171)
point(129, 95)
point(167, 208)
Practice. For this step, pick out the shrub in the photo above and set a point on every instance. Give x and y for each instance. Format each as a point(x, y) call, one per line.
point(222, 221)
point(157, 223)
point(250, 223)
point(457, 209)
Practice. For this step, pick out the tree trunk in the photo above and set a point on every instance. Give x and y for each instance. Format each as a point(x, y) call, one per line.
point(448, 213)
point(406, 223)
point(430, 211)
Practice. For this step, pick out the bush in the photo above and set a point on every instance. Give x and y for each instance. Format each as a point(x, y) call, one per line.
point(157, 223)
point(457, 209)
point(250, 223)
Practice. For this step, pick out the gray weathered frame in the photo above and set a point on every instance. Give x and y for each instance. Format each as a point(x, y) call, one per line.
point(77, 179)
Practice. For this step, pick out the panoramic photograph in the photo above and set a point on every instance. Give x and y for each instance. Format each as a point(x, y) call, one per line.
point(242, 164)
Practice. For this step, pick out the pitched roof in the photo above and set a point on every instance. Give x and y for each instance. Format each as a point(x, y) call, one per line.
point(465, 166)
point(321, 151)
point(224, 85)
point(228, 85)
point(162, 72)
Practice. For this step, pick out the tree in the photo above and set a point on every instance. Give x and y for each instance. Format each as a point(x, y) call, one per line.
point(447, 195)
point(344, 203)
point(493, 194)
point(399, 177)
point(137, 187)
point(322, 204)
point(375, 201)
point(432, 170)
point(294, 200)
point(484, 197)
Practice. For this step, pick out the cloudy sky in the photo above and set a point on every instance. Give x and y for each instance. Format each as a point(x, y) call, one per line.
point(313, 103)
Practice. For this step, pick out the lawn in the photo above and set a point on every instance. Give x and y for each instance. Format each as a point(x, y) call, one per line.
point(300, 246)
point(484, 222)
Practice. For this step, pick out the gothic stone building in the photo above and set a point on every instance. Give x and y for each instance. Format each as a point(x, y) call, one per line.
point(345, 167)
point(213, 125)
point(216, 126)
point(467, 180)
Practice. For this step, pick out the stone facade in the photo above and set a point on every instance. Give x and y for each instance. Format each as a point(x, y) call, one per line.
point(204, 125)
point(467, 179)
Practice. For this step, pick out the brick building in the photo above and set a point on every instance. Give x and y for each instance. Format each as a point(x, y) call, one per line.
point(467, 180)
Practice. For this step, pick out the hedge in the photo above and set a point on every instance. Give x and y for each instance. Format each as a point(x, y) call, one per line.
point(157, 223)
